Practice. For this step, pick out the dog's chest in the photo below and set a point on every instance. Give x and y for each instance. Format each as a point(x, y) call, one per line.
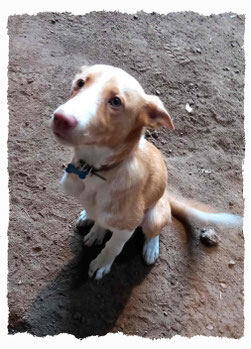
point(87, 190)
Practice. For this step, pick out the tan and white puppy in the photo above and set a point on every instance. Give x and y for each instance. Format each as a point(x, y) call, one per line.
point(104, 122)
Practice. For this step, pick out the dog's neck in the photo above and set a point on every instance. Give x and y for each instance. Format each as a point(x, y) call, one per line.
point(99, 156)
point(95, 156)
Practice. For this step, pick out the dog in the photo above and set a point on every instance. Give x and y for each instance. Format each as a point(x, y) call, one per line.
point(118, 176)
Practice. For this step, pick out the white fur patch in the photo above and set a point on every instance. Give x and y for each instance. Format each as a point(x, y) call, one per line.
point(83, 106)
point(142, 142)
point(151, 250)
point(83, 220)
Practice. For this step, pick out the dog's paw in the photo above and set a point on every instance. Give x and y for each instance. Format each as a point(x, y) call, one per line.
point(83, 221)
point(151, 250)
point(96, 235)
point(99, 267)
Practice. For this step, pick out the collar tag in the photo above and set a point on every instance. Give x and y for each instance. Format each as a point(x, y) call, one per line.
point(82, 173)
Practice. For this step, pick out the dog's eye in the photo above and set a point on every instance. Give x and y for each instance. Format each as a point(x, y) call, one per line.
point(115, 102)
point(80, 83)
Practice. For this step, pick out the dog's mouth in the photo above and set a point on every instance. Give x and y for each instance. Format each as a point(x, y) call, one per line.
point(60, 135)
point(64, 138)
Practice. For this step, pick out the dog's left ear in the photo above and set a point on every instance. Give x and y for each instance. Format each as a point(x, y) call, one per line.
point(155, 114)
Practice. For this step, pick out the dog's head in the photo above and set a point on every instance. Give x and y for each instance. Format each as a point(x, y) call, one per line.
point(107, 106)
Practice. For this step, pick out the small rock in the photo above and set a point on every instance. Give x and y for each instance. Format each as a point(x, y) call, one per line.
point(188, 108)
point(135, 17)
point(165, 313)
point(30, 80)
point(157, 92)
point(37, 249)
point(204, 171)
point(231, 263)
point(222, 285)
point(210, 327)
point(209, 237)
point(198, 50)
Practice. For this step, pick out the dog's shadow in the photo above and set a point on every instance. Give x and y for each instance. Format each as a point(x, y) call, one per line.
point(75, 304)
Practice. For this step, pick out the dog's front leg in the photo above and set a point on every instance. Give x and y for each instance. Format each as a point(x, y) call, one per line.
point(102, 264)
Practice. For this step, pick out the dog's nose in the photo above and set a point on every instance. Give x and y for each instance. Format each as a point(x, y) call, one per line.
point(63, 121)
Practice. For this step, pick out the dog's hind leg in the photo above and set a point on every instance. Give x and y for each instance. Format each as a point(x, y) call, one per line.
point(154, 221)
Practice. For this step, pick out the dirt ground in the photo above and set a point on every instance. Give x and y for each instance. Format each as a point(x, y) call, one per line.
point(185, 58)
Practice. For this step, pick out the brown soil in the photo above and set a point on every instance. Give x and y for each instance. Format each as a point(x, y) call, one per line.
point(192, 289)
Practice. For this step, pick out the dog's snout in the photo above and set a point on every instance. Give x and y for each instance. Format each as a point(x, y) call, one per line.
point(63, 121)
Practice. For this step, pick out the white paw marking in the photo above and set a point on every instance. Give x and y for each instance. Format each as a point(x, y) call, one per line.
point(151, 250)
point(82, 220)
point(99, 266)
point(96, 235)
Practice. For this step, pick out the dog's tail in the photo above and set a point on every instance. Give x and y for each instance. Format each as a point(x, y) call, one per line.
point(190, 215)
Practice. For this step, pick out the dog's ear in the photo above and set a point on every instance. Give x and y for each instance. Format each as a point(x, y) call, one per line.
point(155, 114)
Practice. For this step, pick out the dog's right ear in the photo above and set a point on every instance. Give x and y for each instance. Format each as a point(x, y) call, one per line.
point(154, 113)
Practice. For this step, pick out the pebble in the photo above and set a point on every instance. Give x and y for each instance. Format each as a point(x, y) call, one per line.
point(157, 92)
point(30, 80)
point(209, 237)
point(224, 286)
point(204, 171)
point(135, 17)
point(231, 263)
point(165, 313)
point(37, 249)
point(210, 327)
point(188, 108)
